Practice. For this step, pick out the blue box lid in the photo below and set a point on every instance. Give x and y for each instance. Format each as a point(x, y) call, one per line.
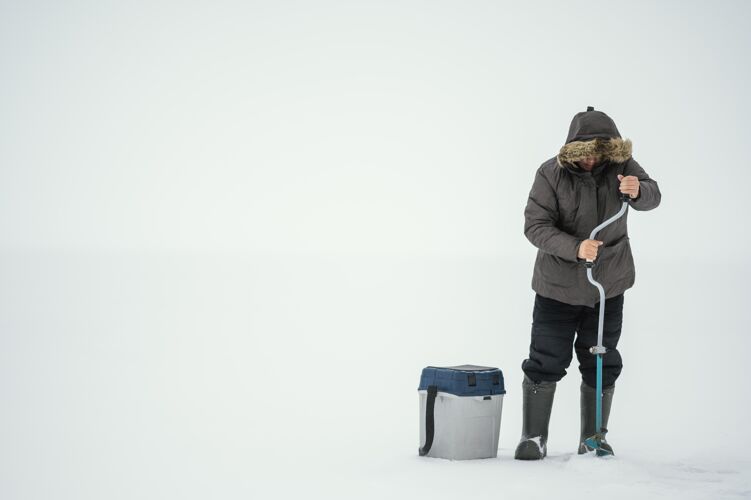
point(464, 380)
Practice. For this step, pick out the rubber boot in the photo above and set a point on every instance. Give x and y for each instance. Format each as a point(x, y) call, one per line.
point(588, 404)
point(538, 402)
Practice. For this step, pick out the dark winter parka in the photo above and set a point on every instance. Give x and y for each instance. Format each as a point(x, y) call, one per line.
point(567, 202)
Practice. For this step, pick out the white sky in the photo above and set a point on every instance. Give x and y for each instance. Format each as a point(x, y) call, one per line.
point(347, 127)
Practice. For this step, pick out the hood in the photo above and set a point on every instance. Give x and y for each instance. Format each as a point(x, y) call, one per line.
point(593, 133)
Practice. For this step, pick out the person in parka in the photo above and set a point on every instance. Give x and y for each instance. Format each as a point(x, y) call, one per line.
point(572, 193)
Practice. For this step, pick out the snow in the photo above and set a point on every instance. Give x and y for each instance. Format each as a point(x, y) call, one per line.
point(164, 376)
point(635, 474)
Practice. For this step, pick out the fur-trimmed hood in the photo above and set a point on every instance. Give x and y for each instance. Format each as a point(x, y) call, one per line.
point(593, 133)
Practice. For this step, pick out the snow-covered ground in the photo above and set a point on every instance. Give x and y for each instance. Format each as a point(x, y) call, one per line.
point(145, 376)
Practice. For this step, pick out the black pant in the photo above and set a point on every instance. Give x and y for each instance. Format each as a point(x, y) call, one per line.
point(554, 325)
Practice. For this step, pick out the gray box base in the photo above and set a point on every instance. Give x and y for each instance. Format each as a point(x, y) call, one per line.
point(466, 427)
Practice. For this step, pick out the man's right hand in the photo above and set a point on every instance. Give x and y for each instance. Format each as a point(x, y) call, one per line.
point(588, 249)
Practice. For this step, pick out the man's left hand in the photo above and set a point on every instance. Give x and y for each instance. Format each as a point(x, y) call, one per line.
point(629, 185)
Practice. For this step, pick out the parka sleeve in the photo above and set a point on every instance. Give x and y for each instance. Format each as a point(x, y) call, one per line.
point(649, 193)
point(540, 218)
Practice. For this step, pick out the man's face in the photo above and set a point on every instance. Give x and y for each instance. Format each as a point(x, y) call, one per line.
point(589, 162)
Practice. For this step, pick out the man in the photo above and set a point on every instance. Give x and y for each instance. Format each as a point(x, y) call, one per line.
point(571, 194)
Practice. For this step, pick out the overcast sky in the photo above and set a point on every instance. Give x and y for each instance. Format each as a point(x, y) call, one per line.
point(352, 127)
